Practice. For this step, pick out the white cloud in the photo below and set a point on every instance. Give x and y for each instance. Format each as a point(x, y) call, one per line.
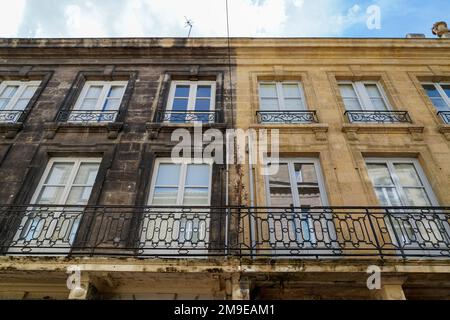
point(11, 16)
point(86, 21)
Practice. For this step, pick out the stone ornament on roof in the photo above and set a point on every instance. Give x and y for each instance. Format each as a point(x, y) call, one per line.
point(441, 29)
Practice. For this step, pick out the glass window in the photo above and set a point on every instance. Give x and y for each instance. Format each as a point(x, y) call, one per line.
point(439, 95)
point(15, 97)
point(363, 96)
point(279, 96)
point(181, 184)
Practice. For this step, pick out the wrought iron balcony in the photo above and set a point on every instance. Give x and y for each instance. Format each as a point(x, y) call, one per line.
point(445, 115)
point(87, 116)
point(376, 116)
point(12, 116)
point(182, 232)
point(287, 117)
point(189, 116)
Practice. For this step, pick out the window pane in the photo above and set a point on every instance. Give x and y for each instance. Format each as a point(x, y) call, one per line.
point(116, 92)
point(112, 104)
point(307, 184)
point(280, 187)
point(29, 92)
point(165, 196)
point(373, 91)
point(446, 88)
point(168, 175)
point(94, 92)
point(268, 104)
point(59, 173)
point(378, 104)
point(21, 104)
point(347, 91)
point(204, 92)
point(352, 104)
point(50, 195)
point(268, 90)
point(197, 175)
point(440, 104)
point(431, 90)
point(196, 196)
point(417, 197)
point(202, 104)
point(182, 91)
point(87, 173)
point(9, 91)
point(291, 91)
point(3, 103)
point(407, 175)
point(379, 174)
point(79, 196)
point(388, 197)
point(293, 104)
point(180, 104)
point(88, 104)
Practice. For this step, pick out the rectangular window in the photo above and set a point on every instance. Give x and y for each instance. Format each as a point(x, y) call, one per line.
point(191, 101)
point(439, 94)
point(297, 183)
point(363, 96)
point(14, 98)
point(281, 96)
point(400, 182)
point(51, 222)
point(99, 101)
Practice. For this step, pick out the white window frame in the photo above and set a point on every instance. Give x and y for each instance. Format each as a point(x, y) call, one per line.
point(22, 87)
point(438, 86)
point(183, 162)
point(296, 198)
point(280, 94)
point(363, 96)
point(422, 176)
point(70, 180)
point(103, 95)
point(193, 85)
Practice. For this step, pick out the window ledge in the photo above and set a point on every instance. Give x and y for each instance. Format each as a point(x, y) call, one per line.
point(154, 128)
point(445, 130)
point(353, 129)
point(10, 129)
point(319, 129)
point(112, 129)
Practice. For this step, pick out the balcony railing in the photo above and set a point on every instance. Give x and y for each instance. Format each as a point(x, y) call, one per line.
point(12, 116)
point(376, 116)
point(294, 117)
point(189, 116)
point(445, 115)
point(87, 116)
point(181, 232)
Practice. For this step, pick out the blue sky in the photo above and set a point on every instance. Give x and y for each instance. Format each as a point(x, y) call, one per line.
point(248, 18)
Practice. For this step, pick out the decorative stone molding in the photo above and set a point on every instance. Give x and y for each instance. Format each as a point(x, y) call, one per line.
point(352, 130)
point(441, 30)
point(319, 130)
point(445, 130)
point(112, 129)
point(10, 130)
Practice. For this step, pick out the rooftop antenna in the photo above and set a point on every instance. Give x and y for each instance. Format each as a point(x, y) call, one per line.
point(190, 24)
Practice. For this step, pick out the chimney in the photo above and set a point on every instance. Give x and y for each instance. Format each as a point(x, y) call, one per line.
point(441, 30)
point(415, 36)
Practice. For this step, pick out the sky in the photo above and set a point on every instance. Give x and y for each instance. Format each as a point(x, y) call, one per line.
point(248, 18)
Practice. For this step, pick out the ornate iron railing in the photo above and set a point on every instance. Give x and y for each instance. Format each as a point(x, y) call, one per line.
point(87, 116)
point(287, 117)
point(292, 233)
point(189, 116)
point(11, 116)
point(376, 116)
point(445, 115)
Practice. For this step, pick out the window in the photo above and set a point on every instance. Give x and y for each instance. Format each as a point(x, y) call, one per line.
point(67, 181)
point(191, 101)
point(14, 98)
point(363, 96)
point(99, 101)
point(181, 184)
point(51, 225)
point(400, 182)
point(439, 93)
point(281, 96)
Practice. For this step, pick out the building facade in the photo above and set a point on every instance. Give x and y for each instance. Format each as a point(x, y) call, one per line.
point(94, 206)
